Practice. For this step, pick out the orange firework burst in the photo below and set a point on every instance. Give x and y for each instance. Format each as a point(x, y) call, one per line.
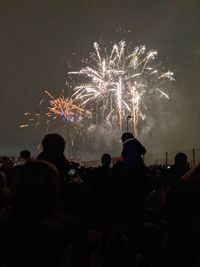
point(63, 107)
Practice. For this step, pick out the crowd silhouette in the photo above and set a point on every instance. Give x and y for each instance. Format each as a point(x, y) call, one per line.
point(56, 213)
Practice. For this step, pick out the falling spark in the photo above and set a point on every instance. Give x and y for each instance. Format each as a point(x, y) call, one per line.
point(24, 125)
point(163, 93)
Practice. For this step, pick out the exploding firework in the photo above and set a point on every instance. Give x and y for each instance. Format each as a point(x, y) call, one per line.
point(114, 87)
point(64, 108)
point(59, 114)
point(116, 83)
point(57, 108)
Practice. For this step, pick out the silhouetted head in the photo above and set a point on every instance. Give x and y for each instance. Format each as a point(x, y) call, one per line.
point(25, 154)
point(37, 187)
point(126, 136)
point(53, 143)
point(106, 160)
point(180, 159)
point(6, 164)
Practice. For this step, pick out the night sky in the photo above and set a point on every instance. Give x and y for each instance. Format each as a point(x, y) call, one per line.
point(38, 38)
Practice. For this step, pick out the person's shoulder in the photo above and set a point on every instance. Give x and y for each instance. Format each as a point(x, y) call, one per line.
point(135, 140)
point(40, 156)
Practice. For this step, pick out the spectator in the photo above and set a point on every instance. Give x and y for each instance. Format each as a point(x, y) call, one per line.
point(135, 184)
point(171, 178)
point(101, 182)
point(6, 165)
point(25, 156)
point(7, 168)
point(179, 168)
point(53, 152)
point(132, 152)
point(106, 160)
point(33, 232)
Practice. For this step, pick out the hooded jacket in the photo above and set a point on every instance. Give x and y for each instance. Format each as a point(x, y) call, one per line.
point(132, 153)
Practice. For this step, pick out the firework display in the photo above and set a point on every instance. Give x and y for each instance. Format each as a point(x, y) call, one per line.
point(114, 88)
point(117, 81)
point(57, 108)
point(63, 107)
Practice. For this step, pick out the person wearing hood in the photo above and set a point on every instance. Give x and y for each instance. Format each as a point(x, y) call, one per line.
point(132, 152)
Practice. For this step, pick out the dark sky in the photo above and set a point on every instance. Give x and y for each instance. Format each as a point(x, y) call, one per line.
point(39, 37)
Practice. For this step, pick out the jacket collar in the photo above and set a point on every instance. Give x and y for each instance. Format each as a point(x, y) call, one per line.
point(130, 139)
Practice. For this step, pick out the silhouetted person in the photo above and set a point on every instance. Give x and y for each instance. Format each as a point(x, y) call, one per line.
point(183, 202)
point(179, 168)
point(25, 156)
point(77, 203)
point(33, 232)
point(106, 160)
point(53, 151)
point(101, 187)
point(6, 165)
point(170, 179)
point(7, 168)
point(132, 152)
point(135, 184)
